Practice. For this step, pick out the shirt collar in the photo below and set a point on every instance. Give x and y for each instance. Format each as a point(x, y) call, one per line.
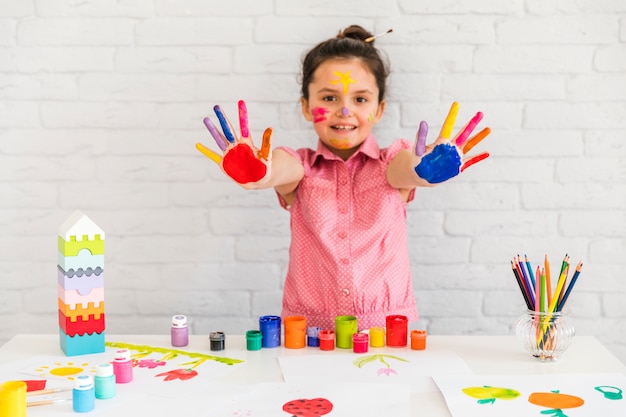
point(369, 148)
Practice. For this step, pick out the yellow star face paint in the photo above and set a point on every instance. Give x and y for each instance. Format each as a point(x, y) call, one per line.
point(344, 79)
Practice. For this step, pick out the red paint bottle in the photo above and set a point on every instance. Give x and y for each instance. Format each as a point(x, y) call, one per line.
point(397, 330)
point(327, 339)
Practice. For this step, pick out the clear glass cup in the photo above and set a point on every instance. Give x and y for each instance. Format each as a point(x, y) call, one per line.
point(545, 335)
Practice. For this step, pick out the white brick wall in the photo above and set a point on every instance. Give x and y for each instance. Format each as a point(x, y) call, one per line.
point(101, 103)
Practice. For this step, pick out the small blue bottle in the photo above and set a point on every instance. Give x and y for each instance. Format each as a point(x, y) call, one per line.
point(83, 395)
point(270, 329)
point(104, 381)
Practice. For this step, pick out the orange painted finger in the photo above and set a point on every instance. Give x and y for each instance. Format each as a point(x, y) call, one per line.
point(476, 139)
point(448, 124)
point(209, 153)
point(267, 144)
point(474, 160)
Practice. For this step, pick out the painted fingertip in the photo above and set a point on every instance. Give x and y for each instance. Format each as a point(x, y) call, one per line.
point(226, 127)
point(208, 153)
point(422, 133)
point(219, 139)
point(476, 159)
point(267, 144)
point(243, 119)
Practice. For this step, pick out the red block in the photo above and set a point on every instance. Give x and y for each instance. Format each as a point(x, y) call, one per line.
point(79, 326)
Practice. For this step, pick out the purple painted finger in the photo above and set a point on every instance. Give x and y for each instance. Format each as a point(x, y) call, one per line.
point(243, 119)
point(460, 140)
point(227, 128)
point(422, 132)
point(219, 139)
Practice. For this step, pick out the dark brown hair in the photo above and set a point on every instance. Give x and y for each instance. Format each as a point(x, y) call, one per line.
point(349, 43)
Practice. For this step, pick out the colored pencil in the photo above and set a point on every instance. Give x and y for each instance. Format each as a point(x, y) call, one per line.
point(520, 283)
point(546, 265)
point(570, 286)
point(530, 271)
point(529, 286)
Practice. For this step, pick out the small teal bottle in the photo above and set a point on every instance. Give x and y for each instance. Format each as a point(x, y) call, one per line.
point(83, 396)
point(104, 381)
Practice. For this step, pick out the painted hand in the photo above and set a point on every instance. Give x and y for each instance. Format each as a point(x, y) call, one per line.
point(445, 158)
point(241, 161)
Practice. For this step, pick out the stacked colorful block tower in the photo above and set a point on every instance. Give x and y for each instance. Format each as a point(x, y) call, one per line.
point(81, 286)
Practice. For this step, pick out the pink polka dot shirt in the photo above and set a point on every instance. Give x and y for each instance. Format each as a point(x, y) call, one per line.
point(348, 253)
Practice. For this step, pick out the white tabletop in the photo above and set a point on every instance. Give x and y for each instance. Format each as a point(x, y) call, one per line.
point(487, 355)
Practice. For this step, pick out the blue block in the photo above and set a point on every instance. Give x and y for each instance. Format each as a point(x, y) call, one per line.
point(81, 345)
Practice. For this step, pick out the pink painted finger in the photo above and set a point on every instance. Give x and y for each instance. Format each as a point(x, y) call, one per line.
point(267, 144)
point(474, 160)
point(219, 139)
point(460, 140)
point(422, 132)
point(243, 119)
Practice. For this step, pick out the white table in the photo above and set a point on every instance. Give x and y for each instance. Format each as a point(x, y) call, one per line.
point(488, 355)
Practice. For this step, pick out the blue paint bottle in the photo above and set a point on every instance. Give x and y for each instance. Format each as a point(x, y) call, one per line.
point(83, 395)
point(312, 336)
point(104, 381)
point(270, 329)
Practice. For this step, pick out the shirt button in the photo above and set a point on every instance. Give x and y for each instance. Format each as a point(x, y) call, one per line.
point(342, 235)
point(343, 181)
point(345, 292)
point(345, 261)
point(343, 210)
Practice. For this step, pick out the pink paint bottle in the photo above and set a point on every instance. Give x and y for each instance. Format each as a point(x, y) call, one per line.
point(122, 366)
point(179, 331)
point(360, 342)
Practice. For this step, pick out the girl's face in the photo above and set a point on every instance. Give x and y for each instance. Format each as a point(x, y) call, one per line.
point(343, 104)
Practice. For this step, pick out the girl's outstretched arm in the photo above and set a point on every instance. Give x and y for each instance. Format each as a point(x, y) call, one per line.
point(427, 166)
point(250, 167)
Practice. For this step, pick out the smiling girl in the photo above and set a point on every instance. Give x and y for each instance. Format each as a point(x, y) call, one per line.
point(347, 197)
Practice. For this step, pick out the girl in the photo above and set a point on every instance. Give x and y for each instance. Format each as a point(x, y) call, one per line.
point(347, 197)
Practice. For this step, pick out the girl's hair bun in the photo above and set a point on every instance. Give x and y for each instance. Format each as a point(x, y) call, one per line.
point(354, 32)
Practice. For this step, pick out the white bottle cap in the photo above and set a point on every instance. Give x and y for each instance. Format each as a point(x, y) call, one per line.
point(122, 355)
point(83, 382)
point(179, 321)
point(104, 369)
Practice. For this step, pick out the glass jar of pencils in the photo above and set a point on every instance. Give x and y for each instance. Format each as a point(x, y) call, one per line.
point(545, 335)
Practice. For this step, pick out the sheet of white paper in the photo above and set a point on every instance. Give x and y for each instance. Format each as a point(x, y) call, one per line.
point(380, 366)
point(332, 398)
point(502, 395)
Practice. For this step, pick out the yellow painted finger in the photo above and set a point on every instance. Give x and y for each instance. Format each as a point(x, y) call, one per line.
point(267, 144)
point(209, 153)
point(476, 139)
point(448, 124)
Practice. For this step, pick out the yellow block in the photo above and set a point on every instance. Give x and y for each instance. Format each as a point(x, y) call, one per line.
point(79, 310)
point(71, 248)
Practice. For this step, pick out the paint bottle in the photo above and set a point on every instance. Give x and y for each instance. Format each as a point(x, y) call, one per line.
point(327, 339)
point(179, 331)
point(270, 328)
point(397, 330)
point(218, 340)
point(377, 337)
point(13, 399)
point(295, 332)
point(345, 327)
point(83, 398)
point(104, 381)
point(360, 342)
point(418, 339)
point(122, 366)
point(254, 339)
point(312, 336)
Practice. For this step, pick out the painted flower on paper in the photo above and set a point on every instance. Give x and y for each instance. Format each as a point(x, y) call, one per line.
point(361, 362)
point(149, 363)
point(182, 374)
point(386, 371)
